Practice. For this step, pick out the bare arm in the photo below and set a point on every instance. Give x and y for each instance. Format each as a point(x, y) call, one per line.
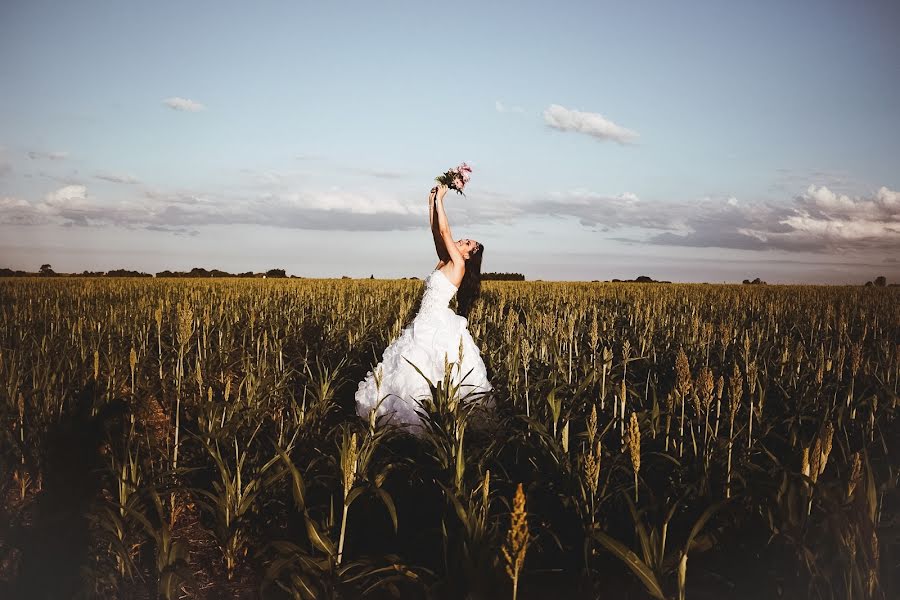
point(443, 226)
point(435, 233)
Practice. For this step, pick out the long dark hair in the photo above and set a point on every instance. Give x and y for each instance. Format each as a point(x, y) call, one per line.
point(470, 287)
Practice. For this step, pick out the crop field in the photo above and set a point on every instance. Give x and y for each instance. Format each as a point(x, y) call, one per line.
point(198, 439)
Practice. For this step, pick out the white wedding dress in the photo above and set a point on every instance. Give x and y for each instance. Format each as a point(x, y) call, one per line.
point(433, 334)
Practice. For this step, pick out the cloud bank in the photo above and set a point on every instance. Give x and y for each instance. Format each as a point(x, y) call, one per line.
point(184, 211)
point(817, 220)
point(824, 219)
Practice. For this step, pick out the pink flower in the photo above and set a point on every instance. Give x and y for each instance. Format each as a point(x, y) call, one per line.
point(464, 172)
point(457, 177)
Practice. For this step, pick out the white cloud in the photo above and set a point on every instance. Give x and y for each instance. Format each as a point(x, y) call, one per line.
point(592, 124)
point(67, 194)
point(823, 204)
point(503, 108)
point(348, 202)
point(71, 204)
point(10, 203)
point(116, 178)
point(35, 155)
point(840, 231)
point(16, 211)
point(183, 104)
point(824, 220)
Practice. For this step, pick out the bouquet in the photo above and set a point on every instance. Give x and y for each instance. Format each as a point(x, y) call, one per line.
point(456, 178)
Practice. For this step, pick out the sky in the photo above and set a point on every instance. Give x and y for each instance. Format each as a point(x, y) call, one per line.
point(690, 141)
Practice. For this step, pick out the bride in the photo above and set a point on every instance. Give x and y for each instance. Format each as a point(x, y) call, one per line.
point(394, 388)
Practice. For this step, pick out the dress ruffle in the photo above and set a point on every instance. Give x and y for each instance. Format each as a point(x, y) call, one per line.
point(433, 336)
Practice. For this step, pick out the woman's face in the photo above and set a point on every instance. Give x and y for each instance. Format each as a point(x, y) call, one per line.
point(466, 247)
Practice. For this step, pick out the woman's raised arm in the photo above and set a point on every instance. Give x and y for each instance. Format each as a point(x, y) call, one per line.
point(439, 247)
point(443, 227)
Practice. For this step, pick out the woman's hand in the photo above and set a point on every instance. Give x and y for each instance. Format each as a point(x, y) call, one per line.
point(441, 191)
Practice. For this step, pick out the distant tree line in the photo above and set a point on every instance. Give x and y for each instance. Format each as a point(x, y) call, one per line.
point(46, 270)
point(201, 272)
point(639, 279)
point(502, 277)
point(126, 273)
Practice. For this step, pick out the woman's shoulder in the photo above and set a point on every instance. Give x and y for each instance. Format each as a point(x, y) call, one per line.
point(452, 274)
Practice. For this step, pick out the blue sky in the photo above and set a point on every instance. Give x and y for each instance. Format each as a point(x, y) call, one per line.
point(692, 141)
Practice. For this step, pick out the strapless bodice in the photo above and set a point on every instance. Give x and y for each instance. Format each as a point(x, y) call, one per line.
point(438, 292)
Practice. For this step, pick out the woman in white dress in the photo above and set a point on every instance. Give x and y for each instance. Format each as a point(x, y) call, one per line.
point(435, 334)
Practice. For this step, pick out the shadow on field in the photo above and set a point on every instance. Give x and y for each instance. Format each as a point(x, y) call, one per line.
point(54, 543)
